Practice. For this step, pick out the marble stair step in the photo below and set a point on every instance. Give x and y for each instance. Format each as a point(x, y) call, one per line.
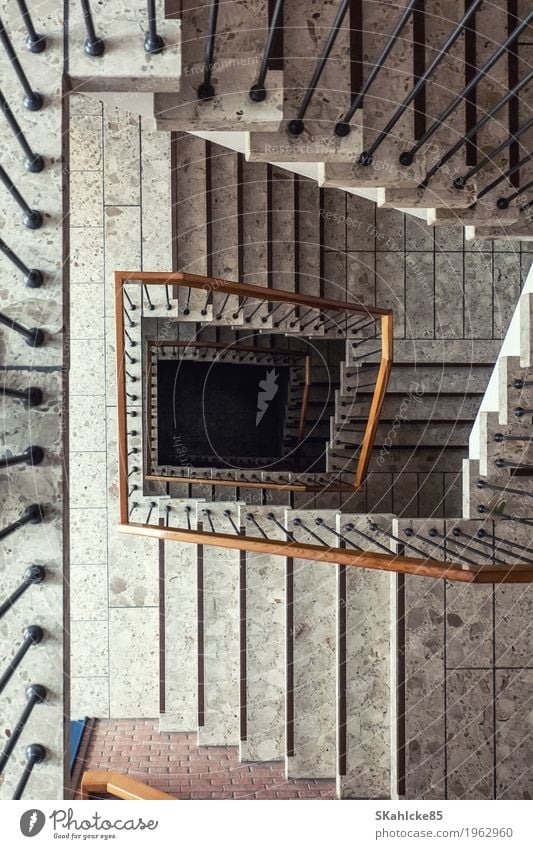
point(310, 671)
point(219, 646)
point(317, 143)
point(478, 215)
point(239, 44)
point(494, 446)
point(431, 196)
point(450, 408)
point(420, 379)
point(510, 396)
point(404, 432)
point(262, 624)
point(180, 622)
point(521, 231)
point(366, 673)
point(526, 329)
point(382, 173)
point(401, 459)
point(421, 351)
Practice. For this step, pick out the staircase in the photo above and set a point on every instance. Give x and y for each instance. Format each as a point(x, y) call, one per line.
point(305, 87)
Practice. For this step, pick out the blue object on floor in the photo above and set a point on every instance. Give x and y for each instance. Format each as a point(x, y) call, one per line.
point(77, 727)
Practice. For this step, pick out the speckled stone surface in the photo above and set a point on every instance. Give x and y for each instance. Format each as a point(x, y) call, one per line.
point(313, 645)
point(264, 739)
point(369, 701)
point(221, 634)
point(133, 661)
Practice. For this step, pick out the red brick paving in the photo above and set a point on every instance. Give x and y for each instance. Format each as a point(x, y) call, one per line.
point(175, 764)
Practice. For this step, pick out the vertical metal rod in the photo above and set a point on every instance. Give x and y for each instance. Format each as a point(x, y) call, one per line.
point(35, 754)
point(93, 46)
point(30, 217)
point(33, 336)
point(258, 91)
point(35, 694)
point(206, 90)
point(153, 42)
point(32, 162)
point(32, 100)
point(33, 278)
point(34, 42)
point(33, 575)
point(33, 635)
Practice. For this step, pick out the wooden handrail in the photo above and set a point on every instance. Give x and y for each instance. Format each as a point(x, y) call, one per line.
point(122, 786)
point(401, 563)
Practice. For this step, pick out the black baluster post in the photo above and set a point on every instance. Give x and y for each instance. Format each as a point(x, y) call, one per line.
point(33, 635)
point(33, 278)
point(33, 456)
point(30, 217)
point(30, 397)
point(32, 161)
point(258, 90)
point(35, 754)
point(32, 99)
point(35, 695)
point(34, 42)
point(33, 575)
point(206, 90)
point(153, 42)
point(94, 46)
point(33, 514)
point(33, 336)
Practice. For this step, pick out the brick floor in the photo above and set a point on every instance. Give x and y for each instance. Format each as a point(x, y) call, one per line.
point(175, 764)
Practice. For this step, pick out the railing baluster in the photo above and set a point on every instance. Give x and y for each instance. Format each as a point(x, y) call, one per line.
point(368, 155)
point(504, 176)
point(131, 341)
point(167, 296)
point(30, 397)
point(321, 523)
point(32, 100)
point(500, 463)
point(457, 532)
point(229, 517)
point(33, 336)
point(33, 514)
point(35, 754)
point(272, 518)
point(518, 383)
point(251, 518)
point(32, 277)
point(32, 162)
point(153, 42)
point(34, 42)
point(206, 512)
point(522, 411)
point(33, 456)
point(33, 575)
point(33, 635)
point(503, 203)
point(342, 128)
point(30, 217)
point(520, 546)
point(93, 46)
point(153, 505)
point(407, 157)
point(258, 91)
point(35, 694)
point(296, 126)
point(508, 489)
point(206, 90)
point(299, 524)
point(485, 511)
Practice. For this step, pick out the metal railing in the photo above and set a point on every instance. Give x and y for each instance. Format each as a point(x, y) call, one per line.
point(36, 694)
point(34, 42)
point(33, 514)
point(32, 99)
point(258, 91)
point(33, 635)
point(206, 89)
point(33, 575)
point(35, 754)
point(33, 278)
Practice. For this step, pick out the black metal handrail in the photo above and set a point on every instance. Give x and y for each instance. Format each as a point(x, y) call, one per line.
point(34, 42)
point(33, 575)
point(33, 635)
point(258, 91)
point(461, 181)
point(33, 456)
point(33, 336)
point(407, 157)
point(35, 754)
point(32, 99)
point(503, 202)
point(94, 46)
point(206, 90)
point(32, 161)
point(30, 217)
point(368, 155)
point(35, 695)
point(33, 278)
point(472, 132)
point(342, 127)
point(153, 42)
point(33, 514)
point(30, 397)
point(296, 126)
